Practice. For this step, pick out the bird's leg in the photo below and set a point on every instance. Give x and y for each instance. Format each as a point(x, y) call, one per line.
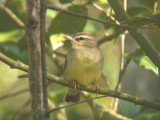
point(97, 88)
point(75, 85)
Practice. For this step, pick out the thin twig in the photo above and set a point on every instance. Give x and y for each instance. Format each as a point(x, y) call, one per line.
point(104, 12)
point(155, 7)
point(110, 37)
point(80, 10)
point(66, 106)
point(116, 34)
point(98, 20)
point(98, 109)
point(122, 73)
point(18, 22)
point(59, 53)
point(117, 88)
point(13, 94)
point(122, 67)
point(90, 102)
point(110, 11)
point(89, 18)
point(23, 76)
point(21, 110)
point(106, 81)
point(58, 64)
point(50, 51)
point(121, 62)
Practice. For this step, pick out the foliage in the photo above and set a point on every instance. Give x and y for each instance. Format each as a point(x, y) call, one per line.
point(142, 60)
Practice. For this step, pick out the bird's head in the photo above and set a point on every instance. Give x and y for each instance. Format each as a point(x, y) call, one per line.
point(82, 40)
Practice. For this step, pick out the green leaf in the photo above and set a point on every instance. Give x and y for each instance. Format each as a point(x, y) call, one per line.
point(141, 21)
point(104, 17)
point(65, 1)
point(68, 24)
point(56, 93)
point(3, 1)
point(138, 9)
point(11, 50)
point(12, 36)
point(17, 7)
point(142, 60)
point(148, 3)
point(138, 21)
point(129, 109)
point(22, 44)
point(149, 116)
point(50, 13)
point(155, 41)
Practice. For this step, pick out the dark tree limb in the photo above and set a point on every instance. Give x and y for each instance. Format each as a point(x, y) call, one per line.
point(37, 70)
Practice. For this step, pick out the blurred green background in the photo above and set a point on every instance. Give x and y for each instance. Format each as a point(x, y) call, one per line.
point(140, 79)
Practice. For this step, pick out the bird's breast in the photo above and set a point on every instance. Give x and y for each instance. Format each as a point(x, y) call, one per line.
point(84, 65)
point(88, 56)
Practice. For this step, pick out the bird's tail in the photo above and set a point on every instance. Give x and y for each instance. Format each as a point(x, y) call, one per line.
point(72, 96)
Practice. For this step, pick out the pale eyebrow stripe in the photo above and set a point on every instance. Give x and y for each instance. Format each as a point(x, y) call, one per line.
point(84, 36)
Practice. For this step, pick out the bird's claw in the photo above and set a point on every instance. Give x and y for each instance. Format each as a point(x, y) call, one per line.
point(97, 88)
point(75, 85)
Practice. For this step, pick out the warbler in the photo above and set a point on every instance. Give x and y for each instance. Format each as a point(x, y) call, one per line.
point(83, 64)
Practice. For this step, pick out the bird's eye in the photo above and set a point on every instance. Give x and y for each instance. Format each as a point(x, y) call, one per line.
point(81, 38)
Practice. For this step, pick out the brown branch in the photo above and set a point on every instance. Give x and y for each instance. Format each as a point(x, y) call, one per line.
point(155, 7)
point(106, 80)
point(103, 11)
point(36, 46)
point(111, 37)
point(107, 113)
point(89, 18)
point(66, 106)
point(21, 110)
point(18, 22)
point(13, 94)
point(98, 20)
point(50, 51)
point(115, 34)
point(118, 88)
point(59, 65)
point(112, 93)
point(59, 53)
point(122, 73)
point(13, 64)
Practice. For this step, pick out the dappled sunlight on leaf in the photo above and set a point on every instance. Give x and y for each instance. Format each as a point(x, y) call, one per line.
point(14, 35)
point(148, 64)
point(57, 40)
point(142, 60)
point(51, 13)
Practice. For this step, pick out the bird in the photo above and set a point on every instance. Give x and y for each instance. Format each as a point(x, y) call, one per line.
point(83, 64)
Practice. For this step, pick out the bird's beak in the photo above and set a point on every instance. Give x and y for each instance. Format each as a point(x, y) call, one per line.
point(69, 38)
point(73, 41)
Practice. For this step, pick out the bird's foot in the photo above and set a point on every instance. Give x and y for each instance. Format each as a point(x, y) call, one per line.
point(75, 85)
point(98, 89)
